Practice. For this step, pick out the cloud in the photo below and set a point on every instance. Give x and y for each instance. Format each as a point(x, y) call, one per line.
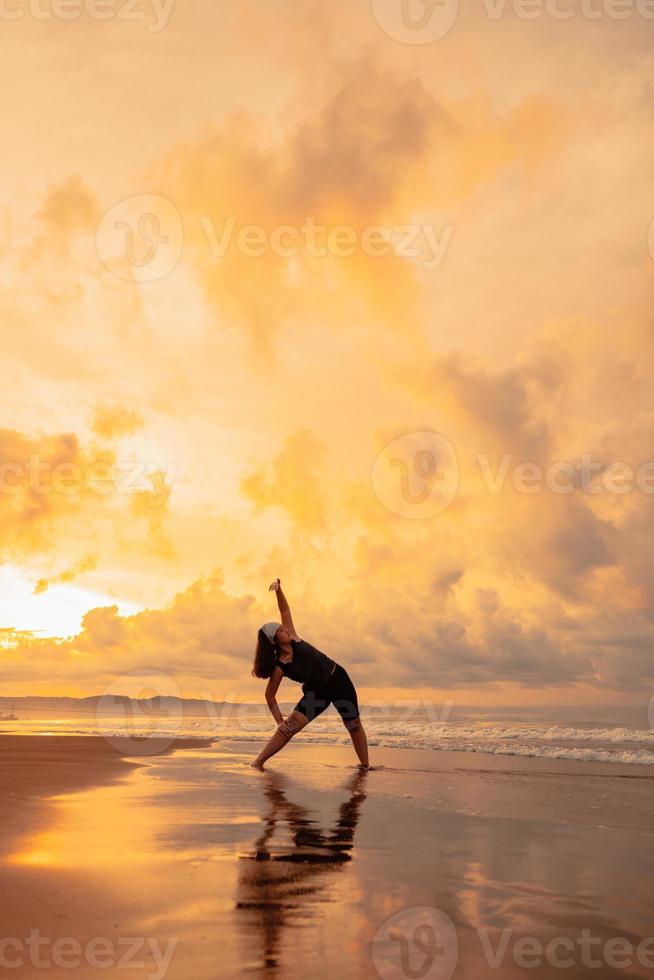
point(505, 407)
point(150, 506)
point(68, 575)
point(52, 484)
point(113, 421)
point(292, 481)
point(379, 150)
point(46, 479)
point(203, 633)
point(563, 558)
point(69, 208)
point(273, 381)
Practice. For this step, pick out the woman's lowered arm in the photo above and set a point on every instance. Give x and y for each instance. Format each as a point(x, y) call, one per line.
point(271, 694)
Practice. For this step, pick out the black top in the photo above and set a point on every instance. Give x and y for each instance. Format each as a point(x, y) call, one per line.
point(309, 666)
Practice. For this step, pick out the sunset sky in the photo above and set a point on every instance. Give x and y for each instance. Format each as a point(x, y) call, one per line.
point(214, 418)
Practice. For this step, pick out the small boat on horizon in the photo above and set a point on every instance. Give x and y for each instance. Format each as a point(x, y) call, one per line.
point(11, 717)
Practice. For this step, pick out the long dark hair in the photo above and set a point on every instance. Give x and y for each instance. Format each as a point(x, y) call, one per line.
point(265, 656)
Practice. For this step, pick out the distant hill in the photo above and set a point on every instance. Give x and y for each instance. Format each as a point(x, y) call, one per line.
point(31, 707)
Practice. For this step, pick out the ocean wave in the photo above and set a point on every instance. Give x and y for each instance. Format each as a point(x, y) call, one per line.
point(501, 733)
point(640, 757)
point(570, 752)
point(619, 746)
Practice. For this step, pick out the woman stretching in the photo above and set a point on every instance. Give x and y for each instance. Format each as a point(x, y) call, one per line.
point(281, 653)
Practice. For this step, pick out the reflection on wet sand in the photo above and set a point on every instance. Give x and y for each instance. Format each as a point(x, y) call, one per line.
point(281, 885)
point(153, 851)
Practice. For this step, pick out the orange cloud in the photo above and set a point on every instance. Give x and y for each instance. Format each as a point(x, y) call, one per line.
point(113, 421)
point(293, 481)
point(530, 341)
point(68, 575)
point(381, 151)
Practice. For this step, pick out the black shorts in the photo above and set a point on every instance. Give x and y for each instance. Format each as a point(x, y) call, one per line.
point(339, 691)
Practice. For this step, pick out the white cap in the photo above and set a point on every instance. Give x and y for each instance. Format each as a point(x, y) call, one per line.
point(270, 629)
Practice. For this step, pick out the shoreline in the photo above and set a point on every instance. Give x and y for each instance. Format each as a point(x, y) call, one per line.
point(34, 768)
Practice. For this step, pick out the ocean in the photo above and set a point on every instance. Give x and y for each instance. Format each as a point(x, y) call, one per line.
point(568, 734)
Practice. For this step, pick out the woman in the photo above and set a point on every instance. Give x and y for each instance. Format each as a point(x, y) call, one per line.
point(281, 653)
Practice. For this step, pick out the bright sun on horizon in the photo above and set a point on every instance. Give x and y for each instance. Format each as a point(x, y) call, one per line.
point(55, 613)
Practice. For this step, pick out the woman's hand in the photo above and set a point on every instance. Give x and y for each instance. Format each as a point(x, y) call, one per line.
point(285, 729)
point(275, 585)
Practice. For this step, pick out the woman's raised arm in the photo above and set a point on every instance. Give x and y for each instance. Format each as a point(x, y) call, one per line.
point(284, 609)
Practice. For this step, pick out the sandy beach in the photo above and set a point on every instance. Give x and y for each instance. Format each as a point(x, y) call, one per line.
point(191, 865)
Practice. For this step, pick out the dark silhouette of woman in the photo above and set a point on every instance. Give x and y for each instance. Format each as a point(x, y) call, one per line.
point(281, 653)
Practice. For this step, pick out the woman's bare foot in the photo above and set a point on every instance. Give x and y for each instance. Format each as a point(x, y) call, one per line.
point(257, 765)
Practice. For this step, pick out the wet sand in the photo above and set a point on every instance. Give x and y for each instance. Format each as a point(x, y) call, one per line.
point(195, 866)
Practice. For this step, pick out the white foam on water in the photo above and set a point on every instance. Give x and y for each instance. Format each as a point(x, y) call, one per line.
point(616, 745)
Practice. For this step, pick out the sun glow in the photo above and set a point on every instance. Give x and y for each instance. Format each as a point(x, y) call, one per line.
point(58, 612)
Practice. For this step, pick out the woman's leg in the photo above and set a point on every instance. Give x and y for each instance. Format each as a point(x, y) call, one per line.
point(347, 705)
point(359, 740)
point(296, 722)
